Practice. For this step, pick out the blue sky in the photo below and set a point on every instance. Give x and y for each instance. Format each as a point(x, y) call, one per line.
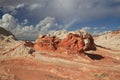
point(31, 17)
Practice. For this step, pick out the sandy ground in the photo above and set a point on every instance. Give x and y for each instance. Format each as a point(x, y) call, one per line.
point(102, 64)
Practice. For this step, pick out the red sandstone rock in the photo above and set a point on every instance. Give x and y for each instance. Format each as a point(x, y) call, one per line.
point(73, 43)
point(47, 43)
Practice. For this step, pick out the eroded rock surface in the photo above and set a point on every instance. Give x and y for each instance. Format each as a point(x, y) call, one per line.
point(47, 43)
point(73, 43)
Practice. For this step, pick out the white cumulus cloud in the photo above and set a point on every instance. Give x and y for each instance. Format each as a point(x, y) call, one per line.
point(28, 32)
point(25, 21)
point(86, 28)
point(20, 5)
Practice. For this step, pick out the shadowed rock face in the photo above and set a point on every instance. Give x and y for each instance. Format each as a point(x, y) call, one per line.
point(89, 43)
point(5, 35)
point(5, 32)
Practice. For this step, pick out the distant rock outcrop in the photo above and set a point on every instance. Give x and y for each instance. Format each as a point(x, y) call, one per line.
point(109, 40)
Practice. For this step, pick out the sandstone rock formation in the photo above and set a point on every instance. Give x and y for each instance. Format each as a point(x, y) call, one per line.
point(109, 40)
point(65, 42)
point(73, 43)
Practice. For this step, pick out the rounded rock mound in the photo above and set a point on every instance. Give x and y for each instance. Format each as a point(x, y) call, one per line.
point(65, 42)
